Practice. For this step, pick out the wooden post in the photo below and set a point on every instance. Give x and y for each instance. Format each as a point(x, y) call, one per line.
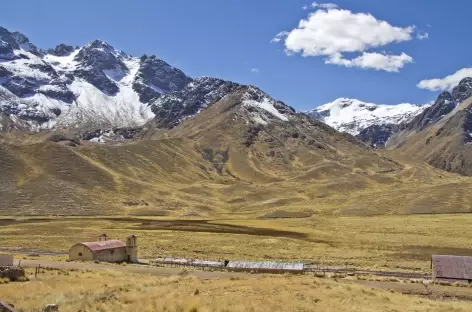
point(19, 263)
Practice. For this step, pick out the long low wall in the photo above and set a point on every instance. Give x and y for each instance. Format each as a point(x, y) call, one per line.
point(6, 260)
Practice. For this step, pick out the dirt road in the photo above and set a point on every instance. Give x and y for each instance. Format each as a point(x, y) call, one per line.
point(131, 268)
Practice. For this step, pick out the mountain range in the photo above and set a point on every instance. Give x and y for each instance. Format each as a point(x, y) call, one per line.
point(353, 116)
point(93, 130)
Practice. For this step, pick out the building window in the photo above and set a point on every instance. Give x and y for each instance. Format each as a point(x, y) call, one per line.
point(80, 254)
point(112, 251)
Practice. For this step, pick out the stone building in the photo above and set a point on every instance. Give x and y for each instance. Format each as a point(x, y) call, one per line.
point(106, 250)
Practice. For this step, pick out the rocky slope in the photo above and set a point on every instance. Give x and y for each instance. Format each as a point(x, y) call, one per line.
point(91, 86)
point(372, 123)
point(245, 152)
point(442, 134)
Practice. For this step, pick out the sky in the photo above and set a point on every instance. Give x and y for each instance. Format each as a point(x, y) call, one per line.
point(301, 52)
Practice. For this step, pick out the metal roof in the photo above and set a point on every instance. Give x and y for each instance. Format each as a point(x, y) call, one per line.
point(266, 265)
point(104, 245)
point(208, 263)
point(454, 267)
point(171, 260)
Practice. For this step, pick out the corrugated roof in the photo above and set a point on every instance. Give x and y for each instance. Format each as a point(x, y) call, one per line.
point(266, 265)
point(103, 245)
point(171, 260)
point(208, 263)
point(454, 267)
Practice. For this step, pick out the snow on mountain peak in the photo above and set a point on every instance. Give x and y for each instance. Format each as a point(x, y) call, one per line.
point(94, 85)
point(262, 108)
point(353, 116)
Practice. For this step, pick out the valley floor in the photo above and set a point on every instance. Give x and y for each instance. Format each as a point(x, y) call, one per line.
point(390, 243)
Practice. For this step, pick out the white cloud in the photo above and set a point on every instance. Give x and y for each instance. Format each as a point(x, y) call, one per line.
point(326, 6)
point(377, 61)
point(281, 35)
point(422, 36)
point(332, 32)
point(254, 70)
point(338, 31)
point(446, 83)
point(305, 7)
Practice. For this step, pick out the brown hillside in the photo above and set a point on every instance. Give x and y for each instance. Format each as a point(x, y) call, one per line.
point(444, 144)
point(217, 164)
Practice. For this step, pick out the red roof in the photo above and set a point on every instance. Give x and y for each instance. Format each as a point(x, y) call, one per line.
point(104, 245)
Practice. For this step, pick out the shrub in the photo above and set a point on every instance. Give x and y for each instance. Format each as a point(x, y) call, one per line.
point(4, 281)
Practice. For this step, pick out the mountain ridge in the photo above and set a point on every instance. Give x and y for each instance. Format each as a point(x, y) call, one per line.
point(354, 116)
point(135, 136)
point(91, 86)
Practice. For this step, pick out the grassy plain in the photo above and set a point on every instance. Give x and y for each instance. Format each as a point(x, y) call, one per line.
point(380, 242)
point(112, 291)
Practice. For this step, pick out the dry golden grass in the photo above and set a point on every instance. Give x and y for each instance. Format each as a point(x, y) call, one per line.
point(380, 242)
point(206, 168)
point(112, 291)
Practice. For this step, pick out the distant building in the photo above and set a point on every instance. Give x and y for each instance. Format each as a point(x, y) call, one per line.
point(452, 267)
point(106, 250)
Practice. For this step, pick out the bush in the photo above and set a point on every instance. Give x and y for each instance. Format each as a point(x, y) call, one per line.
point(4, 281)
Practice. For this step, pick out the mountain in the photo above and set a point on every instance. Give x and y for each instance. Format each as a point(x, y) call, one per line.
point(243, 153)
point(171, 145)
point(442, 134)
point(172, 108)
point(91, 86)
point(372, 123)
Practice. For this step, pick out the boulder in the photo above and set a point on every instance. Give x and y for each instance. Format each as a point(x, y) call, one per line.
point(51, 308)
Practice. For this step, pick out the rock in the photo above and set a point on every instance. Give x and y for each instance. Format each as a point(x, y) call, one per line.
point(61, 50)
point(156, 77)
point(97, 57)
point(377, 135)
point(463, 91)
point(171, 109)
point(57, 138)
point(51, 308)
point(443, 106)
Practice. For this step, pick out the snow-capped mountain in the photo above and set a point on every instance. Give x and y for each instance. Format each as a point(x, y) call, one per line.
point(94, 85)
point(99, 88)
point(353, 116)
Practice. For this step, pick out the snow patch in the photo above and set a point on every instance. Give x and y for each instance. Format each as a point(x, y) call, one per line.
point(115, 74)
point(267, 105)
point(257, 119)
point(62, 63)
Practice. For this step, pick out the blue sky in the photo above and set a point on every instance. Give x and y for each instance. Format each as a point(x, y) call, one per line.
point(227, 39)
